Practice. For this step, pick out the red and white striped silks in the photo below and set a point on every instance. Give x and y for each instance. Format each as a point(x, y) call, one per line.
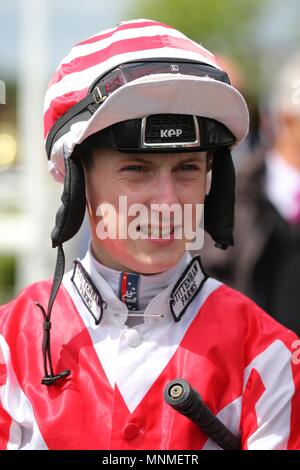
point(243, 363)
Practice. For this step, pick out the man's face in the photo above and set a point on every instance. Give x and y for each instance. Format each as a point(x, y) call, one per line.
point(150, 180)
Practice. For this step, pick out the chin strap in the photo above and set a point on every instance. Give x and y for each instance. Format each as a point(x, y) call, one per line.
point(68, 221)
point(50, 378)
point(219, 204)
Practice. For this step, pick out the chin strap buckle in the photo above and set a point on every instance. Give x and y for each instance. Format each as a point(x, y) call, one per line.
point(98, 97)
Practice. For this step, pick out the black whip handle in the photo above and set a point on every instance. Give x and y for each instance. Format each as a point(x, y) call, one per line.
point(187, 401)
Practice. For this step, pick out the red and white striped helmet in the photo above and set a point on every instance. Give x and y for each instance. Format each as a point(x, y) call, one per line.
point(174, 93)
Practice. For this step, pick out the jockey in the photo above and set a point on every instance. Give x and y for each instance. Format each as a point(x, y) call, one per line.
point(139, 126)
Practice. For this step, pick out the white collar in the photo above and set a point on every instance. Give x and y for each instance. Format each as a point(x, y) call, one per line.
point(148, 286)
point(169, 304)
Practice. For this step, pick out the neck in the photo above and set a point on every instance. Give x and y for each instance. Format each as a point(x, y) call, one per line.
point(146, 287)
point(103, 258)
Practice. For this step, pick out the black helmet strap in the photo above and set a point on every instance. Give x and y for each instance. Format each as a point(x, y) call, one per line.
point(68, 221)
point(219, 204)
point(50, 378)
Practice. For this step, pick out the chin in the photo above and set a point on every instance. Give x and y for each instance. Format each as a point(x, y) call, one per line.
point(156, 263)
point(140, 259)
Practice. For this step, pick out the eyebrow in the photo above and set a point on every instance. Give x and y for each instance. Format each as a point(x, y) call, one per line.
point(149, 162)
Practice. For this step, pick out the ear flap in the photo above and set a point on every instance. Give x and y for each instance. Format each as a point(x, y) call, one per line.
point(219, 204)
point(70, 215)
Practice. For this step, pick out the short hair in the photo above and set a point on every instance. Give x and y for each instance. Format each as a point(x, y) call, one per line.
point(85, 150)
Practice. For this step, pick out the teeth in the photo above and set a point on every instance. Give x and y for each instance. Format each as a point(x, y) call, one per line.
point(156, 232)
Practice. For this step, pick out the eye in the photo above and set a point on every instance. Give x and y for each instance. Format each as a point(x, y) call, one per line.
point(187, 167)
point(134, 168)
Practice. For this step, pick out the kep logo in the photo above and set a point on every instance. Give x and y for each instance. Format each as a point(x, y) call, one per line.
point(170, 133)
point(2, 92)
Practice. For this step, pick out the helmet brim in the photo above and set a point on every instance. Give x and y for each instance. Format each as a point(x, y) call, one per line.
point(158, 94)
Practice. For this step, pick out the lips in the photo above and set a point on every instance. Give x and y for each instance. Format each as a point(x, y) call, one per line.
point(156, 232)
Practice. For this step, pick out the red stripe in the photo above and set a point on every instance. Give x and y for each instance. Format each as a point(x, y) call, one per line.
point(5, 423)
point(61, 105)
point(5, 419)
point(3, 374)
point(122, 27)
point(124, 286)
point(126, 46)
point(253, 391)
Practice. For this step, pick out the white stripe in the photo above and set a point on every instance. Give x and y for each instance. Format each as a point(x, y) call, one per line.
point(273, 409)
point(83, 79)
point(15, 437)
point(124, 34)
point(24, 431)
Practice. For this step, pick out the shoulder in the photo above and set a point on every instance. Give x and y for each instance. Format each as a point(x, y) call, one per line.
point(238, 316)
point(230, 303)
point(29, 292)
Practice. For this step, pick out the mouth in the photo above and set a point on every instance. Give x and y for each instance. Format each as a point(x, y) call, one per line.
point(157, 232)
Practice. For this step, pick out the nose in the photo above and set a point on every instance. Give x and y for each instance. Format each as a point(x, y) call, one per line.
point(165, 190)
